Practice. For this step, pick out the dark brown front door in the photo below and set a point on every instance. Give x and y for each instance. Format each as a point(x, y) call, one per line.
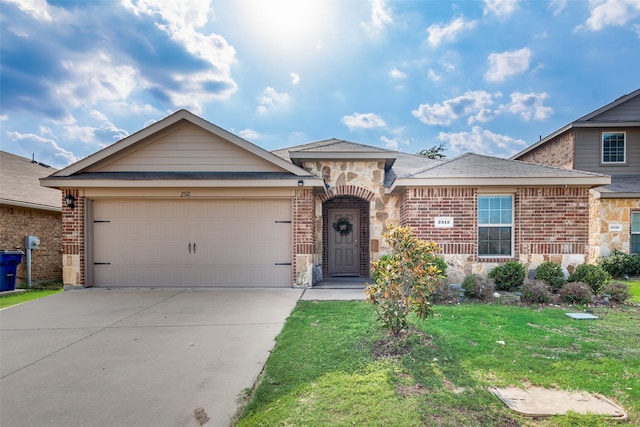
point(344, 250)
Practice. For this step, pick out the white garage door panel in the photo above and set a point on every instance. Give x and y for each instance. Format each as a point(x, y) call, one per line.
point(192, 243)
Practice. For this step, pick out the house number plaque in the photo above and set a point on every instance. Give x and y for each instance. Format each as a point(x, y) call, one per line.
point(615, 227)
point(185, 194)
point(443, 222)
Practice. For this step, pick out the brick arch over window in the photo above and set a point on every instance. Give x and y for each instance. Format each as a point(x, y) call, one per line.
point(347, 202)
point(348, 191)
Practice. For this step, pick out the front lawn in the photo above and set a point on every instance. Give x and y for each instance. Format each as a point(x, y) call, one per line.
point(31, 294)
point(333, 365)
point(634, 288)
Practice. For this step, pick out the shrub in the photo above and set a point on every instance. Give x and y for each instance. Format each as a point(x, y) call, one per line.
point(509, 276)
point(618, 292)
point(592, 275)
point(551, 274)
point(536, 292)
point(576, 293)
point(404, 280)
point(478, 287)
point(619, 264)
point(443, 294)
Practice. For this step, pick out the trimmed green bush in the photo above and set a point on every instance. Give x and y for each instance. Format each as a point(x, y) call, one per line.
point(508, 277)
point(576, 293)
point(590, 274)
point(478, 287)
point(536, 292)
point(619, 264)
point(618, 292)
point(551, 274)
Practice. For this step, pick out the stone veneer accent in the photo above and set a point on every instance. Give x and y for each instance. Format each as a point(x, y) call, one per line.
point(18, 222)
point(558, 152)
point(604, 212)
point(355, 180)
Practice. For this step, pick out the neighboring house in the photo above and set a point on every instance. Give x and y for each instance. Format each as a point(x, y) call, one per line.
point(605, 141)
point(27, 209)
point(186, 203)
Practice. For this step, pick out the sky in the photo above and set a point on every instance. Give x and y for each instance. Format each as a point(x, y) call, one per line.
point(489, 77)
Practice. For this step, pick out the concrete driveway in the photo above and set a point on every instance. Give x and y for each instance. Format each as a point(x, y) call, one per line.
point(136, 357)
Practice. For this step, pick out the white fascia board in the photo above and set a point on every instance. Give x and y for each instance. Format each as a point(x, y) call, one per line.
point(498, 181)
point(195, 183)
point(27, 205)
point(612, 195)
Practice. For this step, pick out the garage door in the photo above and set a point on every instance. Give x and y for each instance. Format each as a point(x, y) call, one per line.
point(192, 243)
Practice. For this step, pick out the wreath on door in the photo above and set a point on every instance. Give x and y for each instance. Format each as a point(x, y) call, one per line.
point(343, 226)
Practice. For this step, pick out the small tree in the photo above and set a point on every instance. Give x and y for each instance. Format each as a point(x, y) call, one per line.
point(436, 152)
point(404, 280)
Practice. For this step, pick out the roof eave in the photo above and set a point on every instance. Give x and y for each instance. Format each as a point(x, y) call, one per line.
point(17, 203)
point(298, 156)
point(193, 183)
point(590, 181)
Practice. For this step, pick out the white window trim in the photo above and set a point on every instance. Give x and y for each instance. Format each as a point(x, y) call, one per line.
point(512, 225)
point(624, 154)
point(631, 232)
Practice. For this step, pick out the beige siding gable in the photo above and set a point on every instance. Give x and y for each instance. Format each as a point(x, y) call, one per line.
point(185, 148)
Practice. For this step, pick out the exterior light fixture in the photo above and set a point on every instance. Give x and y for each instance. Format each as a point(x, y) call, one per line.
point(69, 199)
point(300, 183)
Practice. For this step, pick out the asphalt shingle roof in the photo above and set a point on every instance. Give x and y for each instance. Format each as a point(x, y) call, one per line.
point(19, 183)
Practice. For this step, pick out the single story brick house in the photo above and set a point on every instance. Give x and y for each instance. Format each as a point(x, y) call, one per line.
point(186, 203)
point(28, 209)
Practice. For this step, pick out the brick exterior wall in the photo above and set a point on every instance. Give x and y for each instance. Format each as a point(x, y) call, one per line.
point(18, 222)
point(553, 220)
point(421, 205)
point(558, 152)
point(550, 223)
point(304, 241)
point(73, 251)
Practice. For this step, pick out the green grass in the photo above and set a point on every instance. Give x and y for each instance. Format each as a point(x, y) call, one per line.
point(634, 288)
point(9, 300)
point(329, 366)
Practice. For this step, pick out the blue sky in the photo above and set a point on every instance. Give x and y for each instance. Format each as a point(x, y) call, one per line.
point(488, 77)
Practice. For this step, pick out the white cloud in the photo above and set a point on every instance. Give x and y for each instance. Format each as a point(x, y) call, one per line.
point(47, 150)
point(474, 105)
point(557, 6)
point(380, 16)
point(363, 121)
point(529, 105)
point(38, 9)
point(482, 141)
point(295, 78)
point(182, 19)
point(81, 133)
point(611, 12)
point(449, 32)
point(500, 7)
point(272, 100)
point(433, 75)
point(390, 143)
point(506, 64)
point(397, 74)
point(96, 79)
point(249, 134)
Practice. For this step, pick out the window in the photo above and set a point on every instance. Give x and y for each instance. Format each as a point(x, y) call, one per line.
point(495, 226)
point(635, 232)
point(613, 147)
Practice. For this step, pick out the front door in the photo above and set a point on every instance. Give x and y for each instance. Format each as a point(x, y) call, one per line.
point(344, 250)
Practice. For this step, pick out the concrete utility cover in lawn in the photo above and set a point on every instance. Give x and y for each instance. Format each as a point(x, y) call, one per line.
point(136, 357)
point(538, 402)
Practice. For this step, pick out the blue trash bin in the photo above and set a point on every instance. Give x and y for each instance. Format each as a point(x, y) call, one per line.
point(9, 261)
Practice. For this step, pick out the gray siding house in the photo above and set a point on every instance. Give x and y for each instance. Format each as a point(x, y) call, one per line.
point(605, 141)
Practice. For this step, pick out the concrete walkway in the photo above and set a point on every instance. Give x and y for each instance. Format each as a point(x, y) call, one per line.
point(140, 357)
